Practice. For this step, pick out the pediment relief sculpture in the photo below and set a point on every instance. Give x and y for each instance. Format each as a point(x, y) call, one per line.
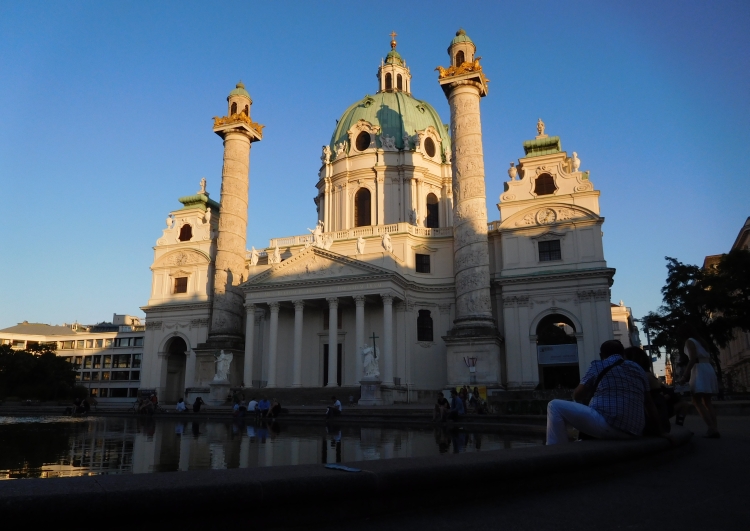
point(182, 258)
point(548, 215)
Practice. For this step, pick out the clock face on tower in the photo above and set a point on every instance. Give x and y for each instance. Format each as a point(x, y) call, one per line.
point(545, 216)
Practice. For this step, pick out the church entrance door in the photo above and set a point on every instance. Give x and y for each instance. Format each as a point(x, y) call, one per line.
point(339, 352)
point(176, 364)
point(557, 353)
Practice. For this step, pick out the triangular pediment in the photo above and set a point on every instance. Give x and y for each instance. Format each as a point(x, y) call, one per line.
point(314, 264)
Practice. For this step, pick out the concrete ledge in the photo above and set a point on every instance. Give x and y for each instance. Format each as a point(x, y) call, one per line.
point(303, 494)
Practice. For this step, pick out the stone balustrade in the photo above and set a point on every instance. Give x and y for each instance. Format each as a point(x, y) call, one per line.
point(374, 230)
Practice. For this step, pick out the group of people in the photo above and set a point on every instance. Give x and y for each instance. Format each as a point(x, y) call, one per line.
point(619, 397)
point(262, 409)
point(461, 400)
point(80, 407)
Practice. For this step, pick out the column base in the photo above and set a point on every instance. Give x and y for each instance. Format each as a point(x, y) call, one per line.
point(489, 367)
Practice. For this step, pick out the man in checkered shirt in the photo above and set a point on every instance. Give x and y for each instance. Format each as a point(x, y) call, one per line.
point(616, 410)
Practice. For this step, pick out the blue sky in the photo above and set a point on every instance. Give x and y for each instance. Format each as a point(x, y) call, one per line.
point(105, 120)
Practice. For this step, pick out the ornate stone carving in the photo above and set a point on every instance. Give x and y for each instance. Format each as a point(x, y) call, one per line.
point(153, 325)
point(333, 302)
point(512, 171)
point(388, 143)
point(595, 295)
point(546, 216)
point(540, 127)
point(298, 305)
point(575, 162)
point(275, 256)
point(181, 258)
point(199, 323)
point(360, 245)
point(239, 118)
point(170, 221)
point(253, 257)
point(520, 300)
point(326, 156)
point(317, 234)
point(386, 242)
point(223, 362)
point(340, 150)
point(370, 357)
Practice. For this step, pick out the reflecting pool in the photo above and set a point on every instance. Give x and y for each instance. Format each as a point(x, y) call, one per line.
point(46, 447)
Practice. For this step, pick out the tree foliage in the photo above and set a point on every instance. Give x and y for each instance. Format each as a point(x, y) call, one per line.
point(36, 372)
point(716, 301)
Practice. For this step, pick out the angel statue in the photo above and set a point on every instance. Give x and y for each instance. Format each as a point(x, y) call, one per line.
point(387, 245)
point(540, 127)
point(253, 257)
point(223, 361)
point(370, 366)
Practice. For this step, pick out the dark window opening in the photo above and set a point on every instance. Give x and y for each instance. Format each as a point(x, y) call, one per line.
point(429, 147)
point(399, 82)
point(423, 263)
point(388, 82)
point(549, 251)
point(544, 185)
point(363, 141)
point(246, 110)
point(432, 221)
point(459, 58)
point(119, 392)
point(186, 233)
point(424, 326)
point(362, 216)
point(234, 108)
point(180, 285)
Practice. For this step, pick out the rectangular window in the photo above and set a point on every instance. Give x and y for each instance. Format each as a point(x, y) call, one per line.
point(549, 251)
point(423, 263)
point(121, 361)
point(94, 392)
point(133, 392)
point(78, 377)
point(86, 376)
point(79, 343)
point(105, 376)
point(119, 392)
point(103, 392)
point(107, 362)
point(97, 362)
point(120, 375)
point(137, 341)
point(87, 362)
point(137, 361)
point(180, 285)
point(123, 342)
point(99, 343)
point(67, 345)
point(95, 376)
point(107, 343)
point(135, 375)
point(78, 360)
point(89, 343)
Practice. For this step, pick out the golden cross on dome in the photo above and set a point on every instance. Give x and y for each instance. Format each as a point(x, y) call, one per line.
point(393, 39)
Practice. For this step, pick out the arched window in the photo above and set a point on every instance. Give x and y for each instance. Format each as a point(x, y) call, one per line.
point(424, 326)
point(246, 110)
point(544, 185)
point(234, 108)
point(388, 82)
point(433, 218)
point(362, 208)
point(557, 352)
point(399, 82)
point(186, 232)
point(460, 59)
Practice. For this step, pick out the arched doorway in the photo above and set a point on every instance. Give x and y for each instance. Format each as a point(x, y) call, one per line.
point(176, 364)
point(557, 352)
point(362, 208)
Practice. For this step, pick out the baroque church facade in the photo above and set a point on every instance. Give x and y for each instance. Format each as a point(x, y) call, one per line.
point(403, 255)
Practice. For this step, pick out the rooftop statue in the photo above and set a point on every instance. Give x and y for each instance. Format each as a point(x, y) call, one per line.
point(540, 127)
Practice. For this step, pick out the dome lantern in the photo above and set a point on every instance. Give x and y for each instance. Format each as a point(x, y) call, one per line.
point(393, 74)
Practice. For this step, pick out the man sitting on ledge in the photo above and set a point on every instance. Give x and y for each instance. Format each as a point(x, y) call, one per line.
point(619, 389)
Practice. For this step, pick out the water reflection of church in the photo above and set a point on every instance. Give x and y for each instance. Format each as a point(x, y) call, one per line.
point(403, 250)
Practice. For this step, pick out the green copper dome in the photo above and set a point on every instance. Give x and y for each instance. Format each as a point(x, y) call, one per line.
point(240, 91)
point(394, 57)
point(396, 113)
point(461, 37)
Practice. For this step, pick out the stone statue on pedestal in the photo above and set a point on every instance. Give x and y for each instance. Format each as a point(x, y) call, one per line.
point(370, 366)
point(223, 361)
point(360, 245)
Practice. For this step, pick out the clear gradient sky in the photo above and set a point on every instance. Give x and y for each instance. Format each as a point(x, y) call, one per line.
point(105, 120)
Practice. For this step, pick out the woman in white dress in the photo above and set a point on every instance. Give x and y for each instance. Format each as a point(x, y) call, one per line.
point(703, 382)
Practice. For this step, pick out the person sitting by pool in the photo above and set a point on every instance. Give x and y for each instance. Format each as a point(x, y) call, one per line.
point(197, 405)
point(457, 406)
point(334, 410)
point(181, 406)
point(275, 409)
point(252, 407)
point(263, 406)
point(85, 406)
point(441, 407)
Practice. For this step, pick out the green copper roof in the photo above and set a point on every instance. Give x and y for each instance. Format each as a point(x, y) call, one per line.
point(240, 90)
point(198, 201)
point(394, 57)
point(542, 146)
point(461, 37)
point(395, 113)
